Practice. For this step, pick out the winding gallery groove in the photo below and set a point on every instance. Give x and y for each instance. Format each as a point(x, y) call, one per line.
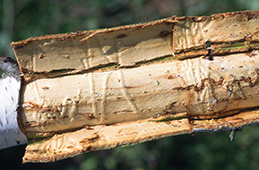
point(125, 85)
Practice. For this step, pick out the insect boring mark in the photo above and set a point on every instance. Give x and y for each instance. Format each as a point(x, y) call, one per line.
point(92, 92)
point(121, 36)
point(164, 34)
point(188, 113)
point(36, 89)
point(234, 88)
point(41, 56)
point(210, 50)
point(45, 88)
point(210, 57)
point(74, 109)
point(125, 93)
point(103, 102)
point(85, 63)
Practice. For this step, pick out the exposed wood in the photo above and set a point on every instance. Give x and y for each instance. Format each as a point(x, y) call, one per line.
point(125, 85)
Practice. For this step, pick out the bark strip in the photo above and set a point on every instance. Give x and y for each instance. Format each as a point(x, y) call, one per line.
point(105, 88)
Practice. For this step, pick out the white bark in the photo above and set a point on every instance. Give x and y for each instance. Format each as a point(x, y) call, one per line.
point(10, 133)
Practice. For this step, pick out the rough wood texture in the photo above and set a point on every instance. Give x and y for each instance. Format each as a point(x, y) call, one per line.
point(200, 87)
point(128, 45)
point(129, 84)
point(105, 137)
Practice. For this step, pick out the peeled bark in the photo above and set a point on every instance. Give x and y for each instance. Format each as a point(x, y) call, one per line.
point(125, 85)
point(182, 37)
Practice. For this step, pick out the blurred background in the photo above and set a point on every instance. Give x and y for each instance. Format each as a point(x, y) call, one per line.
point(21, 19)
